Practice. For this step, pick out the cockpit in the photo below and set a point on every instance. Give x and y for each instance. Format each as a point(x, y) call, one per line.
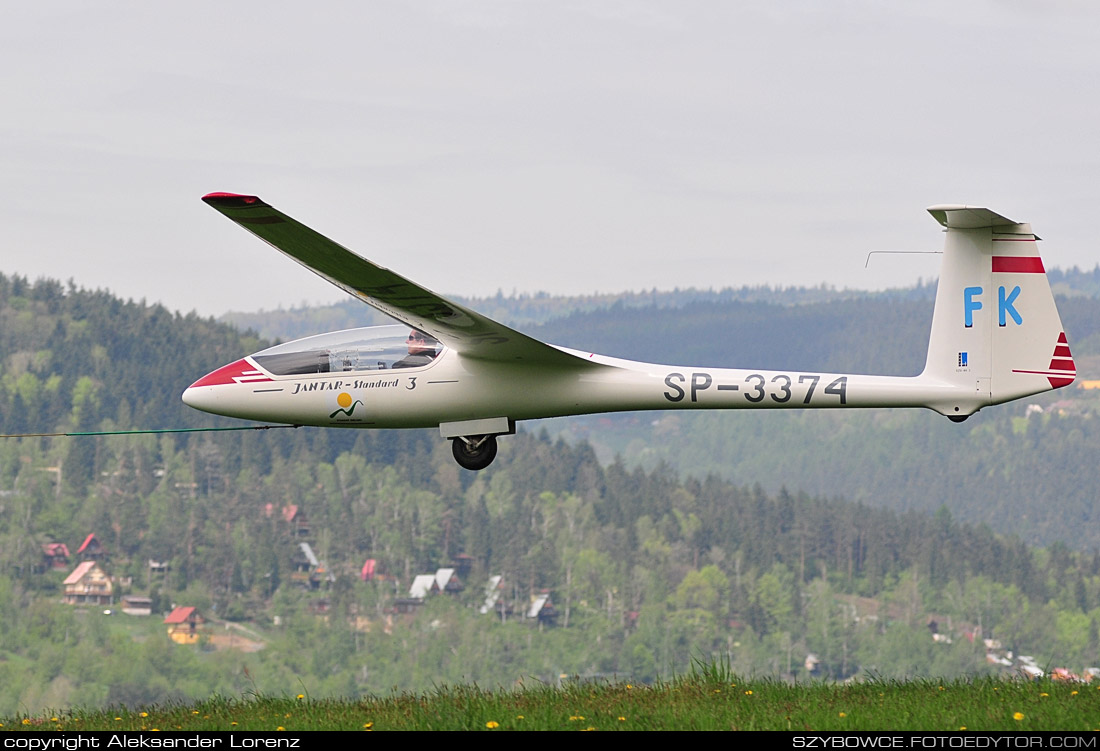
point(351, 351)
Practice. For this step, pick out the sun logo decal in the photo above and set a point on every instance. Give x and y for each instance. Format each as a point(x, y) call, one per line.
point(347, 406)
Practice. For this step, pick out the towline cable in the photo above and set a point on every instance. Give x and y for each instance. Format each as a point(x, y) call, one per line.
point(143, 432)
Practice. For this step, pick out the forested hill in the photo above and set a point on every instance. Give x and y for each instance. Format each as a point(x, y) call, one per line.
point(647, 568)
point(77, 359)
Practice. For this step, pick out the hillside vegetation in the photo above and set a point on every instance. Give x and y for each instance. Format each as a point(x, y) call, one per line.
point(646, 568)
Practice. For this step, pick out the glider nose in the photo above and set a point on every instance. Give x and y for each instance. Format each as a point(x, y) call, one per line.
point(201, 397)
point(208, 392)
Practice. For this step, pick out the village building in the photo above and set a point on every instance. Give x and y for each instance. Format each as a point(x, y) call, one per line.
point(88, 584)
point(55, 556)
point(542, 608)
point(137, 605)
point(293, 515)
point(447, 581)
point(493, 590)
point(91, 549)
point(310, 571)
point(183, 625)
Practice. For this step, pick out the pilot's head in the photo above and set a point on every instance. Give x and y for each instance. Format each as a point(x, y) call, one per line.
point(422, 344)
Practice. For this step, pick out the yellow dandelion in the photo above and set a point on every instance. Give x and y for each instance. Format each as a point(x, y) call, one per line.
point(280, 728)
point(118, 718)
point(842, 714)
point(962, 727)
point(194, 711)
point(1018, 716)
point(717, 690)
point(942, 688)
point(144, 714)
point(26, 720)
point(1073, 693)
point(368, 725)
point(492, 724)
point(1044, 693)
point(300, 696)
point(233, 723)
point(622, 719)
point(629, 686)
point(748, 693)
point(519, 717)
point(576, 717)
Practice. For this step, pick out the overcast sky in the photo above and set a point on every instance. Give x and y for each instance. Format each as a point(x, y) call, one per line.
point(566, 147)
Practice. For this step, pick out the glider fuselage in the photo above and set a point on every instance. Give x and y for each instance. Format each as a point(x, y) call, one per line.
point(453, 388)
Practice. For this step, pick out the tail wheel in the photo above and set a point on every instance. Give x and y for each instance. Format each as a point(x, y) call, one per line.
point(474, 451)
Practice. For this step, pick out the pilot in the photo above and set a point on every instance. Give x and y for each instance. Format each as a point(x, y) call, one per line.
point(422, 350)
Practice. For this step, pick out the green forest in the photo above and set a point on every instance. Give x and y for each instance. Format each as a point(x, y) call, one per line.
point(657, 540)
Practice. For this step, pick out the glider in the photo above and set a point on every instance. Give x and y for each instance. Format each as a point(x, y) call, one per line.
point(996, 336)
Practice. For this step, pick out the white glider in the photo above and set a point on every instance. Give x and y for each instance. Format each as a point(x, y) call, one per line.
point(996, 336)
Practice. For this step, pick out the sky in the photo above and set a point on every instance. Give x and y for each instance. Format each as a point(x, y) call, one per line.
point(478, 146)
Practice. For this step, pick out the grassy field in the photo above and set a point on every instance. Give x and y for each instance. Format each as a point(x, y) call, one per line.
point(710, 699)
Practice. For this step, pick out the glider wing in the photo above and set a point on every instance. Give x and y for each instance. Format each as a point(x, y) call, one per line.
point(463, 330)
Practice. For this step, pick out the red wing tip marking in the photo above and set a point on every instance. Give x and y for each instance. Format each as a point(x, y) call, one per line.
point(232, 200)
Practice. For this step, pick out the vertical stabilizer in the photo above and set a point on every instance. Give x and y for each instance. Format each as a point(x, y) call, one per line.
point(996, 333)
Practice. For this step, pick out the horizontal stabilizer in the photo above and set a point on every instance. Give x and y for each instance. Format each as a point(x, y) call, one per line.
point(958, 216)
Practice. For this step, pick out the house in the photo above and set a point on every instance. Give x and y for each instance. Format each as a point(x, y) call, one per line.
point(293, 515)
point(542, 608)
point(296, 518)
point(137, 605)
point(88, 584)
point(422, 586)
point(55, 555)
point(463, 564)
point(183, 625)
point(309, 571)
point(91, 549)
point(492, 594)
point(447, 581)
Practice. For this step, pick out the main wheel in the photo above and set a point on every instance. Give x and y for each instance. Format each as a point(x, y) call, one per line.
point(474, 451)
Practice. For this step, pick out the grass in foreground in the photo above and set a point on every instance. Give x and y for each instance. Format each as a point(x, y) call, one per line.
point(708, 700)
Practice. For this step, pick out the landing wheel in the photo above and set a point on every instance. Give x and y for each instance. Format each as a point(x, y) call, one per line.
point(474, 451)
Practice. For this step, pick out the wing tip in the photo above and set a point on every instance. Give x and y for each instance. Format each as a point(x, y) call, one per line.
point(232, 200)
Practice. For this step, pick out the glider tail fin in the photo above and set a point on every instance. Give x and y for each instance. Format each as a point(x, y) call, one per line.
point(996, 333)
